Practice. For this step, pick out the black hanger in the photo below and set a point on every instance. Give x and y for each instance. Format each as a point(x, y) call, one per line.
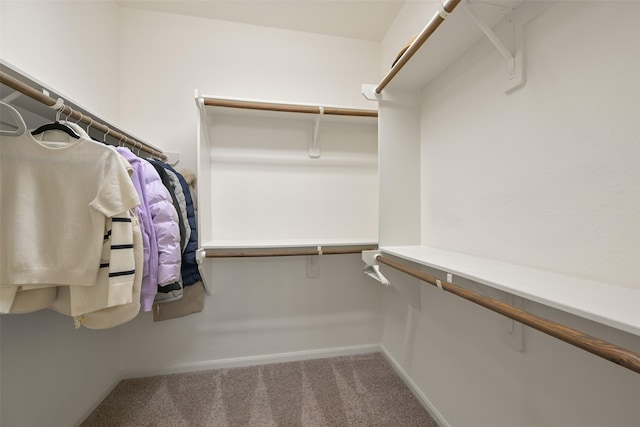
point(56, 126)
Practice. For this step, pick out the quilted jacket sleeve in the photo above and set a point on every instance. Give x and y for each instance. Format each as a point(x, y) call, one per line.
point(190, 271)
point(165, 222)
point(182, 204)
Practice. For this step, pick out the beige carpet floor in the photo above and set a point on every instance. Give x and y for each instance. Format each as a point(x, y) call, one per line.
point(359, 390)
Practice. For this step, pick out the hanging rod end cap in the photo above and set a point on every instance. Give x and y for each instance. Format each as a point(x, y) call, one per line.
point(442, 11)
point(370, 257)
point(201, 254)
point(369, 92)
point(58, 104)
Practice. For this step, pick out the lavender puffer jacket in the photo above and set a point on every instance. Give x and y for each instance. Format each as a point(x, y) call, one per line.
point(159, 222)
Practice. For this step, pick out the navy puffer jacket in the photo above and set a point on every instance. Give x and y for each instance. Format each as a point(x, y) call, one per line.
point(190, 272)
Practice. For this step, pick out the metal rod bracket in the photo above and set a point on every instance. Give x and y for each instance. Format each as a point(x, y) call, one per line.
point(511, 331)
point(201, 254)
point(513, 56)
point(314, 145)
point(372, 268)
point(313, 266)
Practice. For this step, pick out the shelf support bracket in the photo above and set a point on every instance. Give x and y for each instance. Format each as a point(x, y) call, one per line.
point(313, 265)
point(514, 61)
point(201, 256)
point(410, 291)
point(511, 331)
point(314, 146)
point(372, 268)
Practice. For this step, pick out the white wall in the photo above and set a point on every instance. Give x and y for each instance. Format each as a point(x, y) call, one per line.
point(410, 20)
point(166, 57)
point(139, 69)
point(265, 306)
point(50, 373)
point(264, 185)
point(545, 177)
point(450, 348)
point(71, 46)
point(553, 164)
point(259, 309)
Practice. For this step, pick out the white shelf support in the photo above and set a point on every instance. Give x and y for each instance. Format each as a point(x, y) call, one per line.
point(314, 145)
point(173, 157)
point(514, 60)
point(409, 290)
point(201, 255)
point(511, 331)
point(313, 266)
point(372, 268)
point(369, 92)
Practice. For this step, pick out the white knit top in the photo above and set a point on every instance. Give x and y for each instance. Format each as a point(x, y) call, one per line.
point(55, 198)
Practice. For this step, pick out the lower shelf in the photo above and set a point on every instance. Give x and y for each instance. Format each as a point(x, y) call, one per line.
point(600, 302)
point(298, 247)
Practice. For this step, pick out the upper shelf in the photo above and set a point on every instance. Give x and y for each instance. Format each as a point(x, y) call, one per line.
point(443, 40)
point(37, 102)
point(289, 247)
point(249, 107)
point(603, 303)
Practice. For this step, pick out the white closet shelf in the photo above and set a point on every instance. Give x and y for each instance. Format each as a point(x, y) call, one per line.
point(21, 90)
point(600, 302)
point(286, 111)
point(250, 248)
point(295, 168)
point(430, 54)
point(253, 104)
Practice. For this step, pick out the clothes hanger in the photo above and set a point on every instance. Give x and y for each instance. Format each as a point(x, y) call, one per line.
point(80, 116)
point(66, 119)
point(56, 126)
point(77, 129)
point(18, 121)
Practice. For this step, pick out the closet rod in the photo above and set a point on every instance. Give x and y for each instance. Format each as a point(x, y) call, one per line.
point(271, 252)
point(288, 108)
point(604, 349)
point(35, 94)
point(437, 19)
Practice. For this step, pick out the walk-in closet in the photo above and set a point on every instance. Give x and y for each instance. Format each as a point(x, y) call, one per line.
point(332, 213)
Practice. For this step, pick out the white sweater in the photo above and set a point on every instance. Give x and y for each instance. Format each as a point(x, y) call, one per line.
point(55, 199)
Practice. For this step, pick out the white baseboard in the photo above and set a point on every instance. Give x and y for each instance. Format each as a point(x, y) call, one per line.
point(99, 401)
point(255, 360)
point(435, 414)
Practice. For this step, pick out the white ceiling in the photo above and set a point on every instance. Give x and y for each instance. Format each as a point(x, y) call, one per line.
point(362, 19)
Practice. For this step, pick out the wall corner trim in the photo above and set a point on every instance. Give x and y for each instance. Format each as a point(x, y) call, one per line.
point(435, 414)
